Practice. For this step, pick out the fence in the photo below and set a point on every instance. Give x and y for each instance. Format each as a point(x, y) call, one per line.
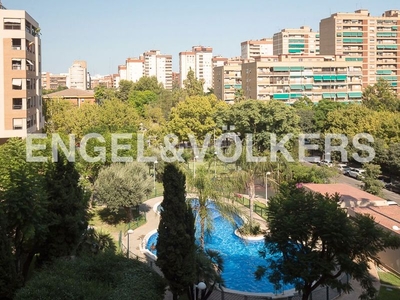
point(260, 210)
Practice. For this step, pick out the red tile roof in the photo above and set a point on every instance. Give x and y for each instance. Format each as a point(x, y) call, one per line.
point(350, 195)
point(386, 216)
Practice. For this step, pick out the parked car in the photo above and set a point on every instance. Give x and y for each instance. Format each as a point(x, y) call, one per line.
point(356, 173)
point(343, 168)
point(393, 187)
point(325, 162)
point(391, 202)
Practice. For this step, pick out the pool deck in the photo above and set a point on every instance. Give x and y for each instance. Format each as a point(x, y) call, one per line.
point(153, 219)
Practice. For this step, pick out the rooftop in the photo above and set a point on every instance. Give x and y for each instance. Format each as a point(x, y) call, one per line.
point(386, 216)
point(349, 195)
point(71, 93)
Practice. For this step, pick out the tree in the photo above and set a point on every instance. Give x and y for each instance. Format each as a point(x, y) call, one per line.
point(102, 93)
point(239, 95)
point(23, 201)
point(321, 111)
point(148, 83)
point(312, 242)
point(66, 210)
point(195, 115)
point(193, 86)
point(176, 239)
point(125, 87)
point(381, 97)
point(211, 191)
point(123, 186)
point(370, 179)
point(93, 277)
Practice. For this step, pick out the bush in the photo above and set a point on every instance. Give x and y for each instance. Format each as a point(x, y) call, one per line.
point(247, 229)
point(97, 277)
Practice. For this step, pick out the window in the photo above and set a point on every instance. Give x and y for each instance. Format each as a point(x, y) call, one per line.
point(17, 84)
point(13, 24)
point(16, 64)
point(29, 122)
point(29, 103)
point(17, 124)
point(16, 44)
point(17, 103)
point(30, 65)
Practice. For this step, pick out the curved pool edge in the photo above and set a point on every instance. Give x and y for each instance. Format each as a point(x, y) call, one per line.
point(144, 243)
point(248, 238)
point(286, 293)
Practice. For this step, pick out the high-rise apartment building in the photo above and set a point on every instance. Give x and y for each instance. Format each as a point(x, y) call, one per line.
point(78, 76)
point(160, 66)
point(296, 41)
point(372, 41)
point(200, 61)
point(228, 80)
point(20, 74)
point(254, 48)
point(289, 77)
point(134, 68)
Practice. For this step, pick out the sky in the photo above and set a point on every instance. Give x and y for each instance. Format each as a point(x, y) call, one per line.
point(105, 33)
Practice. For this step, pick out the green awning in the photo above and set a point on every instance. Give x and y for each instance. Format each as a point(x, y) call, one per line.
point(227, 86)
point(341, 95)
point(296, 46)
point(355, 94)
point(296, 68)
point(238, 86)
point(295, 50)
point(308, 86)
point(281, 96)
point(394, 27)
point(317, 77)
point(281, 69)
point(341, 77)
point(296, 86)
point(295, 96)
point(384, 72)
point(329, 95)
point(393, 83)
point(328, 77)
point(353, 59)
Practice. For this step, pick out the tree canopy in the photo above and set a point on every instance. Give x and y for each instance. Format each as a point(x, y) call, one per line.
point(313, 243)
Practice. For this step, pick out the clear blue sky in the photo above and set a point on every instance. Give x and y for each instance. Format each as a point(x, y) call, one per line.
point(105, 33)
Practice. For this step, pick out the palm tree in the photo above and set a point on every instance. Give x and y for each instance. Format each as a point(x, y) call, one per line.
point(246, 176)
point(212, 191)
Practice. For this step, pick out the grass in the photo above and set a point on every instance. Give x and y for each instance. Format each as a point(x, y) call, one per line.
point(388, 294)
point(389, 279)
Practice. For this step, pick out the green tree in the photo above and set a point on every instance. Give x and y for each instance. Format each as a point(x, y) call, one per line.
point(370, 179)
point(381, 97)
point(195, 115)
point(23, 201)
point(214, 192)
point(66, 210)
point(239, 95)
point(123, 186)
point(102, 93)
point(317, 243)
point(176, 241)
point(321, 111)
point(93, 277)
point(125, 87)
point(139, 99)
point(193, 86)
point(148, 83)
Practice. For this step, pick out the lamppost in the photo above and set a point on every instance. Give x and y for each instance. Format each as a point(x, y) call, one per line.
point(266, 187)
point(215, 165)
point(201, 286)
point(154, 178)
point(194, 166)
point(129, 232)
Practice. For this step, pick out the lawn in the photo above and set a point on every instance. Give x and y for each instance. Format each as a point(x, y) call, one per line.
point(386, 293)
point(389, 279)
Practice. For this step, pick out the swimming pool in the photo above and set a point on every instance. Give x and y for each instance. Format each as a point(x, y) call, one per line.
point(241, 257)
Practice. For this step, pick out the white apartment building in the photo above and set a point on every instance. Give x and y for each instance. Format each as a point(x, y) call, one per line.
point(20, 74)
point(200, 60)
point(134, 69)
point(78, 76)
point(253, 48)
point(160, 66)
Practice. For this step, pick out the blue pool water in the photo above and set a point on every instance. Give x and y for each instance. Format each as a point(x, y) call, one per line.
point(241, 258)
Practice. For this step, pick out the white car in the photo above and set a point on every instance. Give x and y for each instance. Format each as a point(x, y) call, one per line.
point(343, 168)
point(391, 202)
point(356, 173)
point(324, 162)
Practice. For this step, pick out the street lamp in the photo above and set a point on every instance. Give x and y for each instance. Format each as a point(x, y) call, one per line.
point(215, 165)
point(129, 232)
point(201, 286)
point(154, 178)
point(266, 187)
point(194, 166)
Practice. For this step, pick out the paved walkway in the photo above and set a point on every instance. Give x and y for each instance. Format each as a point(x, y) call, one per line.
point(153, 218)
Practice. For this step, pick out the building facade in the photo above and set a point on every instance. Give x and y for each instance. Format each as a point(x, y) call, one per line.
point(254, 48)
point(373, 41)
point(228, 80)
point(290, 77)
point(200, 61)
point(78, 76)
point(20, 75)
point(53, 81)
point(296, 41)
point(160, 66)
